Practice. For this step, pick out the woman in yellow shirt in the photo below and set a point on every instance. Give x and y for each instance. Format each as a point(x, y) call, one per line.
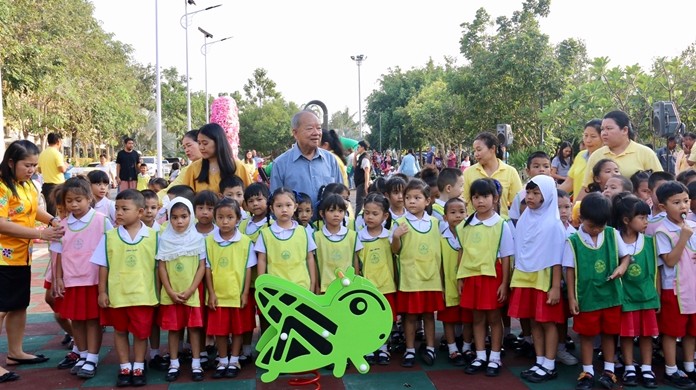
point(18, 214)
point(216, 161)
point(592, 138)
point(332, 142)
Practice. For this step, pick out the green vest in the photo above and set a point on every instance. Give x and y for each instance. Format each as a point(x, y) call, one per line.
point(480, 246)
point(181, 272)
point(449, 268)
point(228, 265)
point(592, 268)
point(420, 259)
point(132, 270)
point(378, 264)
point(640, 279)
point(332, 255)
point(287, 258)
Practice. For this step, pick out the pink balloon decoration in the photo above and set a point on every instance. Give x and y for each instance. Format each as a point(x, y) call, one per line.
point(225, 113)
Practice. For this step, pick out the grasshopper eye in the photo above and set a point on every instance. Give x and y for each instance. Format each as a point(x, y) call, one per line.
point(358, 306)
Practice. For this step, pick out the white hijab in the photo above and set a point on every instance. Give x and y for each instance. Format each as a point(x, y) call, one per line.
point(188, 243)
point(539, 234)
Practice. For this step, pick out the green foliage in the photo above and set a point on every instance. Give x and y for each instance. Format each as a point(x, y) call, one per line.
point(266, 128)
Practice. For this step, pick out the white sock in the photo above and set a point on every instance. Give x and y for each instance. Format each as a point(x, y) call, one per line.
point(645, 368)
point(669, 370)
point(384, 348)
point(174, 363)
point(495, 357)
point(609, 366)
point(630, 367)
point(204, 354)
point(154, 352)
point(75, 350)
point(411, 350)
point(549, 364)
point(83, 354)
point(466, 347)
point(481, 355)
point(452, 348)
point(224, 361)
point(540, 360)
point(588, 369)
point(139, 365)
point(196, 363)
point(125, 366)
point(234, 360)
point(689, 366)
point(431, 349)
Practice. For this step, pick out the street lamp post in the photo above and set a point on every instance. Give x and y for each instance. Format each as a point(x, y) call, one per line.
point(204, 51)
point(158, 93)
point(358, 60)
point(185, 21)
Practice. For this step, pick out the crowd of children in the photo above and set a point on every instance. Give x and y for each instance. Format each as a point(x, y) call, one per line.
point(620, 264)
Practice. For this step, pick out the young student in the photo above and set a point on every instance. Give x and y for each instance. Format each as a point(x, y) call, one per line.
point(376, 260)
point(686, 177)
point(181, 190)
point(232, 187)
point(157, 184)
point(99, 181)
point(337, 246)
point(616, 185)
point(127, 284)
point(228, 284)
point(483, 271)
point(151, 208)
point(344, 192)
point(417, 242)
point(453, 314)
point(602, 171)
point(304, 212)
point(394, 192)
point(449, 183)
point(284, 236)
point(203, 204)
point(641, 296)
point(641, 188)
point(565, 206)
point(429, 175)
point(676, 245)
point(536, 280)
point(593, 271)
point(143, 178)
point(181, 267)
point(538, 163)
point(658, 215)
point(76, 279)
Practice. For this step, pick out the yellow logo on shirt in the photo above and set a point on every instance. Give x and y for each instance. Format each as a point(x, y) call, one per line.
point(634, 270)
point(475, 238)
point(179, 267)
point(285, 255)
point(600, 266)
point(131, 261)
point(423, 249)
point(224, 262)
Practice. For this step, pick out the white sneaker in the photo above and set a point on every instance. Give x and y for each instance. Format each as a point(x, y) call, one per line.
point(567, 358)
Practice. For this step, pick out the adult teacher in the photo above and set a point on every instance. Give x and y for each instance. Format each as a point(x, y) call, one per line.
point(619, 145)
point(305, 167)
point(192, 152)
point(592, 138)
point(489, 165)
point(331, 142)
point(409, 165)
point(126, 165)
point(216, 161)
point(19, 212)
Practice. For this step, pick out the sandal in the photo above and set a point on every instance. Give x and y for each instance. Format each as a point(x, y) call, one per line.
point(87, 374)
point(457, 359)
point(476, 366)
point(220, 372)
point(649, 380)
point(428, 356)
point(172, 374)
point(383, 358)
point(409, 360)
point(196, 374)
point(493, 368)
point(629, 378)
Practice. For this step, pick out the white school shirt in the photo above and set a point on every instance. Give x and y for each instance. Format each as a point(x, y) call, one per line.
point(284, 234)
point(99, 255)
point(664, 246)
point(507, 240)
point(251, 258)
point(569, 256)
point(422, 225)
point(334, 237)
point(396, 216)
point(77, 224)
point(107, 207)
point(452, 239)
point(252, 227)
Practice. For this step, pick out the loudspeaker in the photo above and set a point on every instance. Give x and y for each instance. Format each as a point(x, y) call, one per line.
point(666, 119)
point(504, 135)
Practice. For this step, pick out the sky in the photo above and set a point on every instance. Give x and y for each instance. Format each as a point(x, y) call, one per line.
point(306, 48)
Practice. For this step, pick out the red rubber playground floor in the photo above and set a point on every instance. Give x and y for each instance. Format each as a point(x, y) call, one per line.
point(43, 336)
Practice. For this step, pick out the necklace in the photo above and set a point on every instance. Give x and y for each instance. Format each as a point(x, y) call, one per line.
point(635, 249)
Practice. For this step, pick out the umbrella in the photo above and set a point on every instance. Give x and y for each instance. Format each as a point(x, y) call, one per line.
point(349, 143)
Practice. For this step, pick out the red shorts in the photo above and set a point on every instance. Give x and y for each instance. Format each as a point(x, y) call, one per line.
point(134, 319)
point(670, 320)
point(455, 315)
point(177, 317)
point(639, 323)
point(602, 321)
point(225, 320)
point(419, 302)
point(481, 292)
point(531, 303)
point(80, 303)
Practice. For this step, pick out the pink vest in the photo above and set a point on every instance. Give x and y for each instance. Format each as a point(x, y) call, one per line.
point(685, 281)
point(653, 224)
point(48, 276)
point(78, 247)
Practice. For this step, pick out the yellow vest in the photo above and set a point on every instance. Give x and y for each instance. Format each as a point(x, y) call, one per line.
point(420, 259)
point(480, 245)
point(228, 264)
point(243, 227)
point(449, 268)
point(540, 280)
point(181, 272)
point(350, 224)
point(378, 264)
point(287, 258)
point(142, 182)
point(332, 255)
point(132, 271)
point(439, 209)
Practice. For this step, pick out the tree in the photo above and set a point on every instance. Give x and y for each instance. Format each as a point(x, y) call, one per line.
point(266, 128)
point(259, 89)
point(344, 123)
point(433, 112)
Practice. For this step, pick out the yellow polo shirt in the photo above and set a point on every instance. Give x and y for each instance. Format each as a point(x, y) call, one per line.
point(507, 176)
point(635, 158)
point(577, 170)
point(49, 161)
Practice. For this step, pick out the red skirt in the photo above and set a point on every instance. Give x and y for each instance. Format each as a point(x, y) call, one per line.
point(391, 298)
point(639, 323)
point(177, 317)
point(134, 319)
point(225, 320)
point(455, 315)
point(671, 321)
point(481, 292)
point(55, 302)
point(527, 302)
point(80, 303)
point(419, 302)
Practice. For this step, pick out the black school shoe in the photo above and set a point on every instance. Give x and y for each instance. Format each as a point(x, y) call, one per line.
point(548, 375)
point(158, 363)
point(124, 378)
point(585, 381)
point(629, 378)
point(476, 366)
point(679, 380)
point(68, 361)
point(608, 380)
point(138, 378)
point(648, 379)
point(493, 369)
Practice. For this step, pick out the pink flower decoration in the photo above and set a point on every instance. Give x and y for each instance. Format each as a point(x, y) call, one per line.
point(225, 113)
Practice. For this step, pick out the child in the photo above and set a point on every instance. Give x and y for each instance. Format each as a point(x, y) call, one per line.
point(76, 279)
point(304, 213)
point(181, 190)
point(296, 263)
point(686, 177)
point(538, 163)
point(449, 183)
point(615, 185)
point(658, 215)
point(416, 241)
point(601, 172)
point(565, 206)
point(641, 189)
point(536, 280)
point(100, 189)
point(591, 257)
point(429, 175)
point(394, 192)
point(127, 284)
point(641, 295)
point(344, 192)
point(337, 246)
point(231, 257)
point(677, 317)
point(181, 256)
point(151, 208)
point(376, 261)
point(453, 314)
point(175, 171)
point(157, 184)
point(143, 178)
point(483, 271)
point(232, 187)
point(204, 203)
point(692, 205)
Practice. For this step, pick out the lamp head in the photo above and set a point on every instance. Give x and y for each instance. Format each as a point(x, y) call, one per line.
point(207, 34)
point(191, 2)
